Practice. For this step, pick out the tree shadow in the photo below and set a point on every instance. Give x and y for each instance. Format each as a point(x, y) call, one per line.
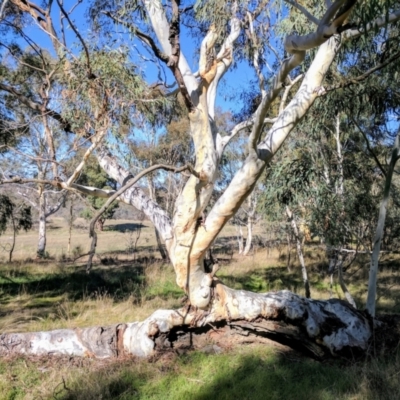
point(253, 375)
point(276, 278)
point(124, 227)
point(119, 282)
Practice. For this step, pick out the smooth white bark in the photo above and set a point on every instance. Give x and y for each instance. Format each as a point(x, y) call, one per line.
point(373, 272)
point(299, 249)
point(41, 248)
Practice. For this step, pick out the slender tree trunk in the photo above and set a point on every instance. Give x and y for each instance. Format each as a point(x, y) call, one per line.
point(289, 247)
point(249, 237)
point(252, 204)
point(343, 286)
point(14, 228)
point(239, 236)
point(299, 251)
point(70, 224)
point(340, 192)
point(100, 225)
point(373, 272)
point(41, 249)
point(160, 246)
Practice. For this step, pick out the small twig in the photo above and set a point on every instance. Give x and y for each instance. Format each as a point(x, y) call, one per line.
point(64, 387)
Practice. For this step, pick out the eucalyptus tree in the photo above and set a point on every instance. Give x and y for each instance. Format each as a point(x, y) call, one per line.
point(93, 175)
point(25, 140)
point(102, 93)
point(15, 216)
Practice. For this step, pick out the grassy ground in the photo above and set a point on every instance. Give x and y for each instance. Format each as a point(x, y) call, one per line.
point(126, 286)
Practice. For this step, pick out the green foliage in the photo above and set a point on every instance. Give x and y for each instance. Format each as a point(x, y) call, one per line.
point(20, 216)
point(93, 175)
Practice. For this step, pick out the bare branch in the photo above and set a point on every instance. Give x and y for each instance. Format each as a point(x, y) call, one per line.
point(329, 25)
point(224, 60)
point(57, 206)
point(96, 140)
point(34, 158)
point(223, 141)
point(18, 179)
point(287, 91)
point(90, 74)
point(93, 191)
point(304, 11)
point(41, 17)
point(146, 39)
point(259, 73)
point(161, 26)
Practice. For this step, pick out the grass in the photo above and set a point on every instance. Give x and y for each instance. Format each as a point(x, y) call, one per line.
point(252, 372)
point(54, 294)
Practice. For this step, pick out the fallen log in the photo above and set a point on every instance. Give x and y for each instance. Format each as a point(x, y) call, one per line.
point(318, 328)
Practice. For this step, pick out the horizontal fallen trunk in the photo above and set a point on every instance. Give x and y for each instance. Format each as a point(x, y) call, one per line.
point(319, 328)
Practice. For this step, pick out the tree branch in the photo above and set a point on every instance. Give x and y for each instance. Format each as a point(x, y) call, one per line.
point(304, 11)
point(172, 60)
point(146, 39)
point(378, 163)
point(377, 23)
point(224, 140)
point(96, 140)
point(224, 61)
point(159, 22)
point(35, 106)
point(90, 74)
point(119, 192)
point(328, 26)
point(57, 206)
point(365, 75)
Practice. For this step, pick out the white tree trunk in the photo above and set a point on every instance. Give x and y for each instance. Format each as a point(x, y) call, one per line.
point(373, 272)
point(299, 251)
point(249, 238)
point(41, 249)
point(252, 206)
point(239, 235)
point(340, 192)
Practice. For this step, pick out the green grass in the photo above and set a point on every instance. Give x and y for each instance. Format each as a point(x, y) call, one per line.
point(51, 294)
point(253, 372)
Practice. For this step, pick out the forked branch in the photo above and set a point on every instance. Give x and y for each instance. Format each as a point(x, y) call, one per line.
point(119, 192)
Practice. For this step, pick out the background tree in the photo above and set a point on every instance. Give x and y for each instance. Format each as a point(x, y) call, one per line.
point(14, 217)
point(93, 175)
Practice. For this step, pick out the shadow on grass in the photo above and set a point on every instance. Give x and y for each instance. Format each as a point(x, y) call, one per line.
point(77, 284)
point(277, 278)
point(256, 374)
point(126, 227)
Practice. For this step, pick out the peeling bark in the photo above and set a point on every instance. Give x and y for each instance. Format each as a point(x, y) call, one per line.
point(320, 328)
